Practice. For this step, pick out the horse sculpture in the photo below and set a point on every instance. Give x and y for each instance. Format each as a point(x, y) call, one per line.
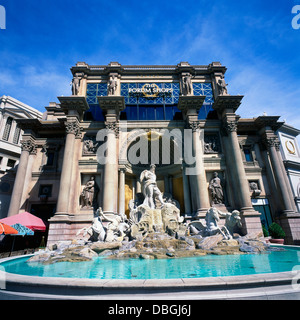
point(212, 218)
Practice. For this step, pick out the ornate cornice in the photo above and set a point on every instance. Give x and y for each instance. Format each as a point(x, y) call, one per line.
point(77, 103)
point(187, 103)
point(268, 121)
point(224, 102)
point(116, 103)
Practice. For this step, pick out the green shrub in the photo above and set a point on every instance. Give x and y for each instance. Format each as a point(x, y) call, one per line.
point(276, 232)
point(265, 231)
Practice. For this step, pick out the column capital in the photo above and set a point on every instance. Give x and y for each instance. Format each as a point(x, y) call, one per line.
point(73, 127)
point(29, 146)
point(113, 126)
point(122, 169)
point(194, 125)
point(230, 125)
point(271, 141)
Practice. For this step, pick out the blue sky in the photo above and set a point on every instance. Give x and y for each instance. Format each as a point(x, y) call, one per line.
point(253, 38)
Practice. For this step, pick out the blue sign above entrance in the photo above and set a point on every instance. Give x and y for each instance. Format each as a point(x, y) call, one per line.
point(140, 96)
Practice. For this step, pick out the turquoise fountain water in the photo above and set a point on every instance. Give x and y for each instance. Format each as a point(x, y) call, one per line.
point(198, 267)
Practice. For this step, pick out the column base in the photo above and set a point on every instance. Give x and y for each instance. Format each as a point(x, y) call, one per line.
point(291, 226)
point(64, 226)
point(251, 223)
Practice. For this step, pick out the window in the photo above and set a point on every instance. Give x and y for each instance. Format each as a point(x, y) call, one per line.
point(45, 190)
point(50, 159)
point(248, 154)
point(266, 217)
point(11, 163)
point(17, 135)
point(7, 128)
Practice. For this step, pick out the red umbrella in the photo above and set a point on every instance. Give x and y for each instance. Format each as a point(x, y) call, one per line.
point(6, 229)
point(26, 219)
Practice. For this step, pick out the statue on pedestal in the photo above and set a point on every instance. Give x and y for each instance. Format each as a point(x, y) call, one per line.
point(216, 190)
point(112, 86)
point(149, 187)
point(89, 193)
point(187, 84)
point(222, 86)
point(75, 85)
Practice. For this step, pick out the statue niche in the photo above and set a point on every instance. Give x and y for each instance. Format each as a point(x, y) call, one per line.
point(88, 197)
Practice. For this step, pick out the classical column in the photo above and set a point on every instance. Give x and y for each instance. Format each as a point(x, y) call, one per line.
point(110, 170)
point(287, 182)
point(202, 198)
point(272, 143)
point(235, 164)
point(122, 191)
point(112, 105)
point(72, 129)
point(186, 192)
point(27, 147)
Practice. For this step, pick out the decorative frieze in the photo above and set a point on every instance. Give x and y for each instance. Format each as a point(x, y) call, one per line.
point(90, 145)
point(212, 144)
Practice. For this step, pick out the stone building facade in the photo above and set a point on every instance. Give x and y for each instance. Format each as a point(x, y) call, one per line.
point(10, 144)
point(290, 152)
point(93, 145)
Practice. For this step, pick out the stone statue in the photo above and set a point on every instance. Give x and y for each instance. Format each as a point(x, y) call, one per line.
point(116, 228)
point(216, 190)
point(212, 228)
point(212, 218)
point(112, 86)
point(222, 86)
point(90, 146)
point(187, 84)
point(254, 189)
point(96, 231)
point(211, 144)
point(89, 194)
point(232, 220)
point(171, 219)
point(75, 85)
point(149, 187)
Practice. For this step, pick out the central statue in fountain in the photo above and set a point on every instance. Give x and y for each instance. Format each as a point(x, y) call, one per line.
point(149, 187)
point(154, 214)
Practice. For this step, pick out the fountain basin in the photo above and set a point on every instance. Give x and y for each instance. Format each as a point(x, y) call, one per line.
point(277, 278)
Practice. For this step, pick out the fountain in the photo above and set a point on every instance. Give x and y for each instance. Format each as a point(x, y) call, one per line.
point(155, 253)
point(154, 230)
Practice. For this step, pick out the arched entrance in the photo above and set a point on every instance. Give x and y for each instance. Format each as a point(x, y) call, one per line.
point(153, 147)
